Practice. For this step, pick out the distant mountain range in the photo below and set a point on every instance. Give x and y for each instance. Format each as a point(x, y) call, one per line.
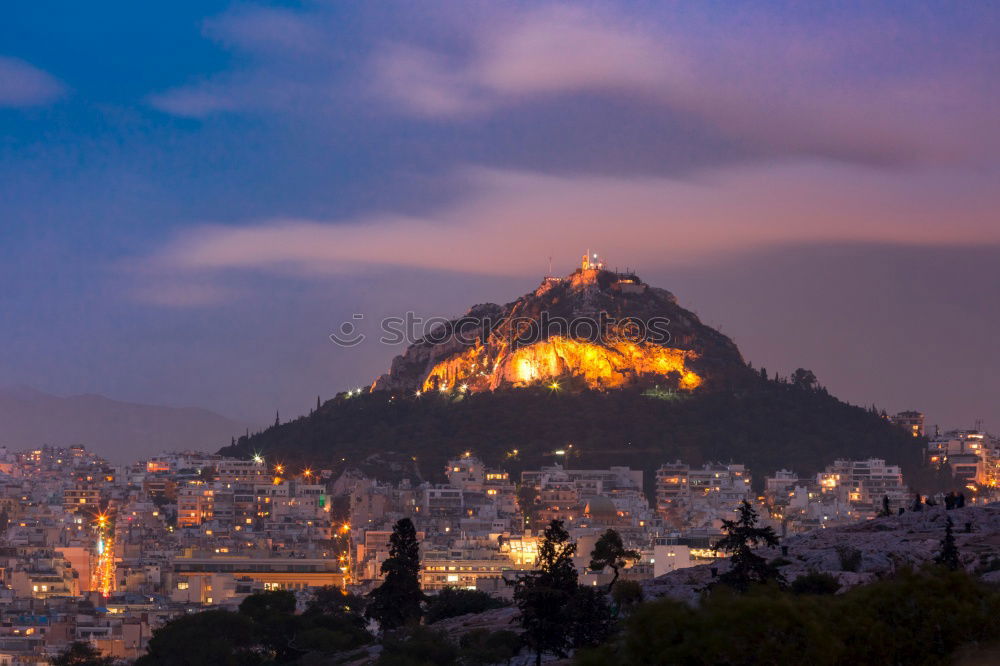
point(119, 431)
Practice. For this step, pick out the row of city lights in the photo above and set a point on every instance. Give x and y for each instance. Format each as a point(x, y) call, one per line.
point(462, 388)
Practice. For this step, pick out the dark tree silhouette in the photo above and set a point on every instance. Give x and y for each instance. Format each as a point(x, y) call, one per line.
point(948, 557)
point(275, 622)
point(210, 638)
point(543, 595)
point(742, 536)
point(526, 495)
point(589, 616)
point(609, 551)
point(482, 646)
point(331, 600)
point(453, 601)
point(804, 379)
point(81, 653)
point(397, 601)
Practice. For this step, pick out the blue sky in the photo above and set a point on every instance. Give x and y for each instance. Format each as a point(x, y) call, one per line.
point(192, 195)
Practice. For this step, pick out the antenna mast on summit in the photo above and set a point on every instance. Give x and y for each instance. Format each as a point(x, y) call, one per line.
point(550, 266)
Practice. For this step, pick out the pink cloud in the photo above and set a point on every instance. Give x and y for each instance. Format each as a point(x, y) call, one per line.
point(22, 84)
point(510, 221)
point(197, 100)
point(849, 90)
point(550, 50)
point(780, 89)
point(180, 293)
point(268, 31)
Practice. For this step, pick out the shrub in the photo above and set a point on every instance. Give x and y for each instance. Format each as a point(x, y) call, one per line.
point(732, 629)
point(453, 601)
point(917, 619)
point(482, 646)
point(627, 594)
point(816, 583)
point(421, 646)
point(850, 558)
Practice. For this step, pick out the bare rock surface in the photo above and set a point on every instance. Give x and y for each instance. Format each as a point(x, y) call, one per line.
point(495, 620)
point(864, 552)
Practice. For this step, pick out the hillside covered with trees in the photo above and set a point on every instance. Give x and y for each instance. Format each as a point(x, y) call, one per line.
point(765, 423)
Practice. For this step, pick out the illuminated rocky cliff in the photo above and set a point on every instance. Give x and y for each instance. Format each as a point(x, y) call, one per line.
point(667, 387)
point(594, 328)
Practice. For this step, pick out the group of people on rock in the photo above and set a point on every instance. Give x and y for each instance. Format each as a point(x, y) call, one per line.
point(952, 500)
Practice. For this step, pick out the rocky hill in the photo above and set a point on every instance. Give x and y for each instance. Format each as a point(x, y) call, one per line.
point(594, 328)
point(591, 370)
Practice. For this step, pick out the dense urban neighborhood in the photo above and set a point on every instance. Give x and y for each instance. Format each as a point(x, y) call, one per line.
point(107, 554)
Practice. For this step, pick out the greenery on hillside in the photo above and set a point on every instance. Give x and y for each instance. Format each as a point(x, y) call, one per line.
point(766, 424)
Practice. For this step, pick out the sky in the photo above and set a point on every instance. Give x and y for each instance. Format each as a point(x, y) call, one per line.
point(194, 195)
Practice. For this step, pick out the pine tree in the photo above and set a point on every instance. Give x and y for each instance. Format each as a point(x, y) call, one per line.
point(277, 418)
point(397, 601)
point(543, 596)
point(742, 536)
point(609, 551)
point(317, 403)
point(948, 557)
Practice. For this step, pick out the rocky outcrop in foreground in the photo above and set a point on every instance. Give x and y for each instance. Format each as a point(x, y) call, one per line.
point(863, 552)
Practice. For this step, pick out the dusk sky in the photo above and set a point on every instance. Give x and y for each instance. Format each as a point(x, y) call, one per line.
point(193, 195)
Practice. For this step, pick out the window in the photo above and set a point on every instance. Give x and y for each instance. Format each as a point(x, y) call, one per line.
point(182, 585)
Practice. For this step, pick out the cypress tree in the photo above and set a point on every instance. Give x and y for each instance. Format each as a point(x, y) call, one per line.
point(948, 557)
point(397, 601)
